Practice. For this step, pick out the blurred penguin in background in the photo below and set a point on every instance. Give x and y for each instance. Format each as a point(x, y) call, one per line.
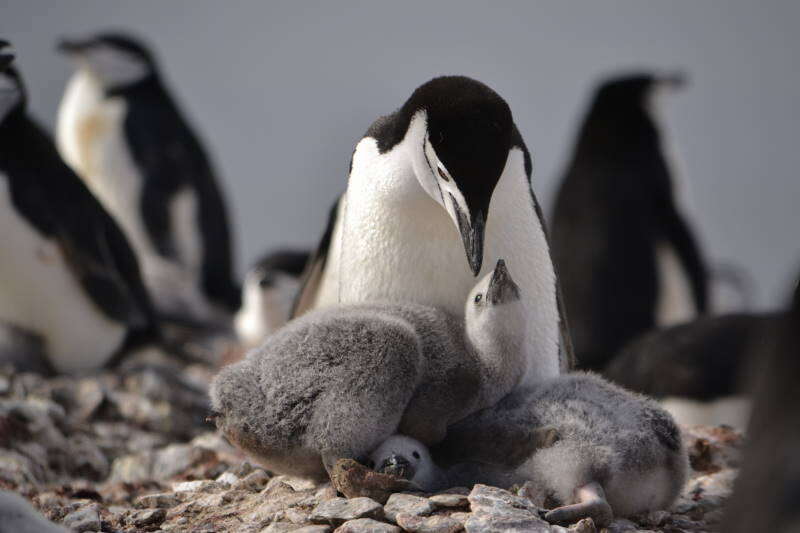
point(626, 256)
point(268, 294)
point(121, 130)
point(69, 280)
point(767, 491)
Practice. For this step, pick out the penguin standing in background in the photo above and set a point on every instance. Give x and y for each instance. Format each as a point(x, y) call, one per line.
point(67, 272)
point(447, 174)
point(626, 256)
point(121, 131)
point(268, 292)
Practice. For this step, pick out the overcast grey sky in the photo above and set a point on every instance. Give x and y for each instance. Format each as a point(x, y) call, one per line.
point(281, 91)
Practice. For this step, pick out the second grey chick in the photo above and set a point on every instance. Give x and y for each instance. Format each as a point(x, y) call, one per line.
point(339, 381)
point(608, 448)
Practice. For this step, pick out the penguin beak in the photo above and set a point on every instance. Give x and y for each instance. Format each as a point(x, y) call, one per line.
point(472, 233)
point(398, 466)
point(502, 288)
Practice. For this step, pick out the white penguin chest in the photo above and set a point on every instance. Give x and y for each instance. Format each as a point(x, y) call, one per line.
point(39, 293)
point(406, 248)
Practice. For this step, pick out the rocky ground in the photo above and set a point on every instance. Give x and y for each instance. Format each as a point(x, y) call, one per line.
point(130, 450)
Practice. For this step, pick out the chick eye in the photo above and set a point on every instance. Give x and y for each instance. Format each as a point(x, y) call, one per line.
point(442, 174)
point(416, 455)
point(478, 298)
point(266, 281)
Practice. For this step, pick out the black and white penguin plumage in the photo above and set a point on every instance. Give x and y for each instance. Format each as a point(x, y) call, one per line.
point(447, 174)
point(337, 382)
point(626, 256)
point(268, 293)
point(122, 132)
point(700, 371)
point(67, 273)
point(768, 486)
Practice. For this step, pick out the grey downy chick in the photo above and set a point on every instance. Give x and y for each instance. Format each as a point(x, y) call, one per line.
point(338, 382)
point(581, 440)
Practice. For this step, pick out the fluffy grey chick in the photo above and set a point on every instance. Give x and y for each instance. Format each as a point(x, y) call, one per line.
point(19, 516)
point(407, 458)
point(338, 382)
point(590, 445)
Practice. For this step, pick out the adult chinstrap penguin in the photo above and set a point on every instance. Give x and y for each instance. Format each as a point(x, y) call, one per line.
point(434, 188)
point(268, 293)
point(627, 258)
point(595, 448)
point(337, 382)
point(68, 273)
point(121, 130)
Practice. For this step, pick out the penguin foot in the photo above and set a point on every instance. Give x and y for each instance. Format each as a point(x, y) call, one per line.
point(591, 504)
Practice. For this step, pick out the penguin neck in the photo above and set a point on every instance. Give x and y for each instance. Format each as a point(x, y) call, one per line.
point(498, 340)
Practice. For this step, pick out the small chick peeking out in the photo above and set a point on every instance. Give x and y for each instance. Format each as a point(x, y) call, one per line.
point(337, 382)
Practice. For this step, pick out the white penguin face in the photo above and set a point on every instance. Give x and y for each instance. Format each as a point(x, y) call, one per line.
point(494, 307)
point(407, 458)
point(10, 94)
point(112, 66)
point(267, 298)
point(432, 174)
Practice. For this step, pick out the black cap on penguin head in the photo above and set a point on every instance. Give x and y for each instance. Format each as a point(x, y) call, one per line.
point(9, 71)
point(634, 88)
point(470, 128)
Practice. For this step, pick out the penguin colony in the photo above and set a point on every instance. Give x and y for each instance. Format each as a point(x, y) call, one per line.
point(380, 345)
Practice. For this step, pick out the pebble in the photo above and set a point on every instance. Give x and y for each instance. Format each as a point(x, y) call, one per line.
point(162, 500)
point(366, 525)
point(407, 504)
point(84, 519)
point(449, 501)
point(148, 517)
point(339, 510)
point(428, 524)
point(495, 509)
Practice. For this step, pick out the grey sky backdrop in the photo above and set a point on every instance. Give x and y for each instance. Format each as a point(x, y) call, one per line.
point(281, 91)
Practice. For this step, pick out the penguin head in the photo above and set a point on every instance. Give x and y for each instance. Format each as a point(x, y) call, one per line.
point(12, 90)
point(636, 89)
point(406, 458)
point(116, 61)
point(466, 131)
point(494, 306)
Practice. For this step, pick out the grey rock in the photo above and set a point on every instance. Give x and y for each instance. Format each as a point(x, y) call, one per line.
point(148, 517)
point(227, 478)
point(407, 504)
point(177, 458)
point(496, 509)
point(132, 468)
point(366, 525)
point(200, 485)
point(317, 528)
point(339, 510)
point(620, 525)
point(583, 526)
point(84, 519)
point(161, 500)
point(428, 524)
point(254, 481)
point(449, 501)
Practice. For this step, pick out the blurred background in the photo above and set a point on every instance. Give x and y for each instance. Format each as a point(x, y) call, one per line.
point(281, 91)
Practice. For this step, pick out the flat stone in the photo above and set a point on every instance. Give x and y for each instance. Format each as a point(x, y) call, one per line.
point(161, 500)
point(354, 479)
point(366, 525)
point(84, 519)
point(340, 510)
point(583, 526)
point(496, 509)
point(132, 468)
point(200, 485)
point(148, 517)
point(428, 524)
point(316, 528)
point(407, 504)
point(177, 458)
point(254, 481)
point(227, 478)
point(620, 525)
point(449, 501)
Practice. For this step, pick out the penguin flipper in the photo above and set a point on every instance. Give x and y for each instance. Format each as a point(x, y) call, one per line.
point(312, 274)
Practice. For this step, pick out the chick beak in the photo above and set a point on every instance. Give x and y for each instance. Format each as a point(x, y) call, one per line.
point(398, 466)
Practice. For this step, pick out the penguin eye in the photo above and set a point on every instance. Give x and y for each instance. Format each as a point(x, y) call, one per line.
point(478, 298)
point(266, 281)
point(415, 454)
point(442, 174)
point(371, 464)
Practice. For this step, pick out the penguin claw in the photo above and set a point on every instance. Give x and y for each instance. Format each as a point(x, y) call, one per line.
point(598, 510)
